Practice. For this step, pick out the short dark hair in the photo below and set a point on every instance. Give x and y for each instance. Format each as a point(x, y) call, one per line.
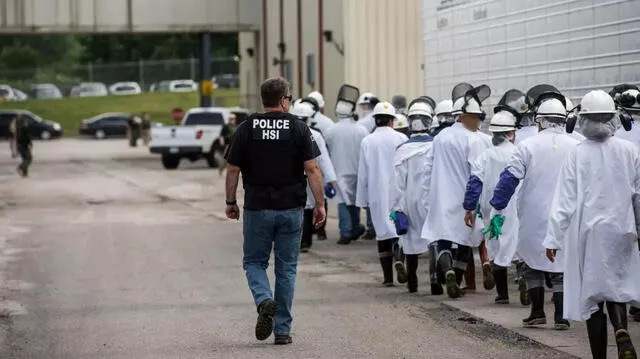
point(272, 90)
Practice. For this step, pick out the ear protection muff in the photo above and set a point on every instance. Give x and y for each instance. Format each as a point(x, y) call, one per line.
point(572, 119)
point(625, 119)
point(627, 100)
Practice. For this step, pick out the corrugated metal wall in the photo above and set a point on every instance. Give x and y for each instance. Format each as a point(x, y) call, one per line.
point(383, 46)
point(576, 45)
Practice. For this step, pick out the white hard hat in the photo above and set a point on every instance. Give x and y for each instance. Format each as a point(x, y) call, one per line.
point(303, 110)
point(551, 108)
point(472, 106)
point(597, 101)
point(445, 106)
point(457, 106)
point(294, 104)
point(503, 121)
point(569, 104)
point(365, 98)
point(318, 97)
point(384, 108)
point(420, 108)
point(400, 121)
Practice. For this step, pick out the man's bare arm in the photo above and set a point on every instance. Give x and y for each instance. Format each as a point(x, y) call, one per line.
point(231, 183)
point(314, 177)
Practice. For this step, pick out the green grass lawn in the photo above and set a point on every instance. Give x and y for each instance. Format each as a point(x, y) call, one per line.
point(70, 112)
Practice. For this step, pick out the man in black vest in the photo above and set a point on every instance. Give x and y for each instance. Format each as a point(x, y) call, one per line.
point(273, 150)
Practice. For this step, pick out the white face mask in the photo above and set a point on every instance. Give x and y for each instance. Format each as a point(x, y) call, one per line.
point(344, 109)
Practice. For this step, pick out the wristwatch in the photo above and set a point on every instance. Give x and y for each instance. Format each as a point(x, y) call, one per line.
point(231, 203)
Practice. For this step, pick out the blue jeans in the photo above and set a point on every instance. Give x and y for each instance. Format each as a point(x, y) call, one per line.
point(348, 220)
point(280, 230)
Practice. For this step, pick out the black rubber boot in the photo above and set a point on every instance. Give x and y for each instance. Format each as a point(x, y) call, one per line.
point(501, 279)
point(537, 316)
point(459, 275)
point(597, 331)
point(412, 272)
point(560, 322)
point(618, 317)
point(387, 271)
point(435, 276)
point(445, 264)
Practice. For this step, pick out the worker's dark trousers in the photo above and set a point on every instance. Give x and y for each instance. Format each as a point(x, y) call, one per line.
point(306, 239)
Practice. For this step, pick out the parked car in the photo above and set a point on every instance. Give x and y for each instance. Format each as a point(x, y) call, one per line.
point(125, 88)
point(45, 91)
point(111, 124)
point(89, 89)
point(195, 138)
point(227, 81)
point(38, 128)
point(175, 86)
point(19, 95)
point(8, 93)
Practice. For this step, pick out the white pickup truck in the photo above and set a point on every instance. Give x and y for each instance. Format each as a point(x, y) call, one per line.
point(195, 138)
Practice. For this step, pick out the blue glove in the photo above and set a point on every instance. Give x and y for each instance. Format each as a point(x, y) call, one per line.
point(401, 221)
point(329, 191)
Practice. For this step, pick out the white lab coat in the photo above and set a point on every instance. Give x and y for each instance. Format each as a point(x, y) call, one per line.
point(324, 162)
point(537, 163)
point(593, 225)
point(454, 149)
point(321, 122)
point(488, 167)
point(375, 178)
point(368, 122)
point(343, 142)
point(525, 132)
point(410, 170)
point(633, 135)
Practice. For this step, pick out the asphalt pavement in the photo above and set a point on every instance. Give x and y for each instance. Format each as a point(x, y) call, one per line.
point(104, 254)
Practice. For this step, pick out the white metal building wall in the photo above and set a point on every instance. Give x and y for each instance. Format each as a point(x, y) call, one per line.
point(383, 46)
point(576, 45)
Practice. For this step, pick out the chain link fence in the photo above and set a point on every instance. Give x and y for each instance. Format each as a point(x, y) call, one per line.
point(144, 72)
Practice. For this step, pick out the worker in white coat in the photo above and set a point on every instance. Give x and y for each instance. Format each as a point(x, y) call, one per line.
point(319, 120)
point(594, 226)
point(304, 111)
point(407, 192)
point(343, 142)
point(627, 97)
point(454, 149)
point(485, 173)
point(375, 178)
point(366, 102)
point(537, 163)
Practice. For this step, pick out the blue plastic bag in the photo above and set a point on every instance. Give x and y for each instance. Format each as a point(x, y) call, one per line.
point(401, 221)
point(329, 191)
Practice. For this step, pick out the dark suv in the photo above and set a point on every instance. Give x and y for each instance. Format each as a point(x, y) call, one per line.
point(38, 128)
